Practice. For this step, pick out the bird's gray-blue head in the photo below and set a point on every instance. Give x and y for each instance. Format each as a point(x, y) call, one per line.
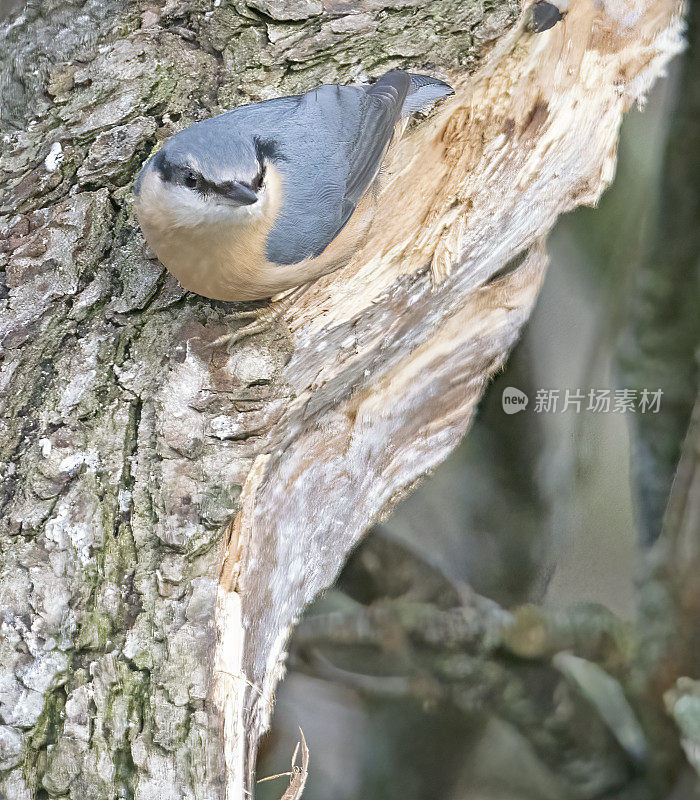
point(207, 174)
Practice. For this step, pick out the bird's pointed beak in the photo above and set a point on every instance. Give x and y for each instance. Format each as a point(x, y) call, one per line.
point(239, 194)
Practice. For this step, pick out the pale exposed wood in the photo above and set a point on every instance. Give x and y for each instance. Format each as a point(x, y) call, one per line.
point(391, 354)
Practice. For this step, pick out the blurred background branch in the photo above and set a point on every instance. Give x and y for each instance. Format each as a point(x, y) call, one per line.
point(662, 333)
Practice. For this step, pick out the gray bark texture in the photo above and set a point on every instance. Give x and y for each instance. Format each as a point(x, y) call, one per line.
point(144, 631)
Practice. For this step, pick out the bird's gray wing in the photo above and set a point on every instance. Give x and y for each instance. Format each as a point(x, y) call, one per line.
point(380, 113)
point(331, 148)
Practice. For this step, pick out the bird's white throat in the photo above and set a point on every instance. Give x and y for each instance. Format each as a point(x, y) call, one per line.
point(211, 248)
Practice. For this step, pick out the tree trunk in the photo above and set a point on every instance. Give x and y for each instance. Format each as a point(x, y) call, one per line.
point(143, 637)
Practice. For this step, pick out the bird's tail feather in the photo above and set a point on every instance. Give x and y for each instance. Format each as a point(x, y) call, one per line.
point(412, 93)
point(423, 93)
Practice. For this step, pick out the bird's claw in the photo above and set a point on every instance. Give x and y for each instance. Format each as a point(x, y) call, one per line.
point(263, 320)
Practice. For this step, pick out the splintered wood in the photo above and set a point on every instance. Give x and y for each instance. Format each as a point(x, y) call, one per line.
point(391, 354)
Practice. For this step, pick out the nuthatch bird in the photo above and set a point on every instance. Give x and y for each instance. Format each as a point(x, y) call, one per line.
point(272, 195)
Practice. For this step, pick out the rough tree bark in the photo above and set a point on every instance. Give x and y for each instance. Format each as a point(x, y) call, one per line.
point(142, 637)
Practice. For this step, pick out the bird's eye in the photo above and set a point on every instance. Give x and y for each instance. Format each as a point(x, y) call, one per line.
point(191, 180)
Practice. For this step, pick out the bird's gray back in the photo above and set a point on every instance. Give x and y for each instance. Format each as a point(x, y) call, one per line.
point(329, 144)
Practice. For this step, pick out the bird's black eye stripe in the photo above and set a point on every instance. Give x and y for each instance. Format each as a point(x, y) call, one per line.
point(193, 180)
point(259, 178)
point(163, 166)
point(180, 175)
point(190, 179)
point(266, 148)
